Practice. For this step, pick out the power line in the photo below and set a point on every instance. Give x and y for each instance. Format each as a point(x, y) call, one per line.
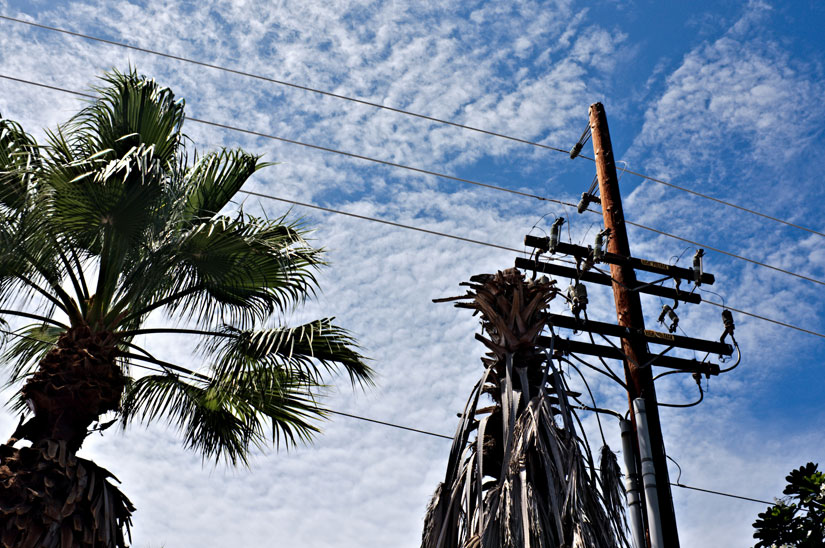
point(382, 221)
point(433, 173)
point(728, 253)
point(282, 83)
point(442, 234)
point(396, 110)
point(451, 236)
point(192, 374)
point(763, 318)
point(391, 424)
point(717, 200)
point(313, 146)
point(434, 434)
point(683, 486)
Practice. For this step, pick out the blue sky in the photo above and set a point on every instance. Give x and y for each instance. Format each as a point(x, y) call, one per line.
point(723, 98)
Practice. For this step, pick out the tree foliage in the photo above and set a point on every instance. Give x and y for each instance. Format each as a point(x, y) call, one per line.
point(113, 220)
point(798, 519)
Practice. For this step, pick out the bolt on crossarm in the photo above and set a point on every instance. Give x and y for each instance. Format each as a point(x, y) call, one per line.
point(629, 314)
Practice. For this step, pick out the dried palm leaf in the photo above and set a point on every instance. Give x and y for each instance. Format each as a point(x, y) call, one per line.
point(521, 476)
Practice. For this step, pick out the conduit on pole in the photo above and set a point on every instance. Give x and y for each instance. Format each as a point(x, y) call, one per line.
point(631, 483)
point(654, 521)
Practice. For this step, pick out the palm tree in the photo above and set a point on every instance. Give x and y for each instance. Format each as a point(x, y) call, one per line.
point(105, 224)
point(519, 474)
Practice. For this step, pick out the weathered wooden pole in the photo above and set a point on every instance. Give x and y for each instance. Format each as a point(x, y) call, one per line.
point(629, 314)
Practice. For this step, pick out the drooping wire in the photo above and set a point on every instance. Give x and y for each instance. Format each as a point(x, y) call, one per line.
point(678, 479)
point(609, 373)
point(577, 148)
point(434, 434)
point(592, 397)
point(691, 404)
point(790, 326)
point(401, 111)
point(436, 174)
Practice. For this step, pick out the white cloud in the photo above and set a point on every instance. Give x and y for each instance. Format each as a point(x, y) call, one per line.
point(525, 69)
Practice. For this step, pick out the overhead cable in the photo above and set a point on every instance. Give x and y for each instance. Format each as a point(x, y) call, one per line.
point(399, 111)
point(428, 172)
point(382, 221)
point(409, 227)
point(436, 233)
point(728, 253)
point(417, 430)
point(280, 82)
point(717, 200)
point(763, 318)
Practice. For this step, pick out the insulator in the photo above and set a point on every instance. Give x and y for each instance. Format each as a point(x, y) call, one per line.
point(577, 296)
point(671, 315)
point(581, 294)
point(583, 203)
point(697, 266)
point(577, 148)
point(598, 247)
point(727, 319)
point(555, 233)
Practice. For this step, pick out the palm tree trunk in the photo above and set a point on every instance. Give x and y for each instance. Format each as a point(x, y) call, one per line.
point(76, 382)
point(48, 496)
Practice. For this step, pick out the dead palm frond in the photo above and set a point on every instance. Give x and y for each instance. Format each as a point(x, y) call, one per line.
point(519, 473)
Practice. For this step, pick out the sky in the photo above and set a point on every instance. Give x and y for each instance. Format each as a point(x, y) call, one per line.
point(722, 98)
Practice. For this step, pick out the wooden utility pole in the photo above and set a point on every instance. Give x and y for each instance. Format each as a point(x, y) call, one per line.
point(629, 314)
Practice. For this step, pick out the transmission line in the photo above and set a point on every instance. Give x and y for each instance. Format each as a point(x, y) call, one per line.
point(427, 172)
point(191, 375)
point(445, 235)
point(393, 109)
point(717, 250)
point(717, 200)
point(281, 82)
point(382, 221)
point(442, 234)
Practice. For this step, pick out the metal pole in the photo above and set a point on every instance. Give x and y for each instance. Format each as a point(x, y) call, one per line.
point(629, 313)
point(654, 521)
point(631, 483)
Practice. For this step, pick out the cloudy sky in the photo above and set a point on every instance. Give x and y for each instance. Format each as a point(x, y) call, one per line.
point(722, 98)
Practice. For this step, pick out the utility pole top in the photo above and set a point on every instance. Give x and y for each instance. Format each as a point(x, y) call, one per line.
point(629, 314)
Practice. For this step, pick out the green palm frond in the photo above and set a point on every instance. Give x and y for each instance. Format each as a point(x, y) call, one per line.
point(31, 265)
point(215, 179)
point(28, 347)
point(19, 157)
point(109, 222)
point(243, 269)
point(309, 350)
point(119, 196)
point(226, 417)
point(132, 110)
